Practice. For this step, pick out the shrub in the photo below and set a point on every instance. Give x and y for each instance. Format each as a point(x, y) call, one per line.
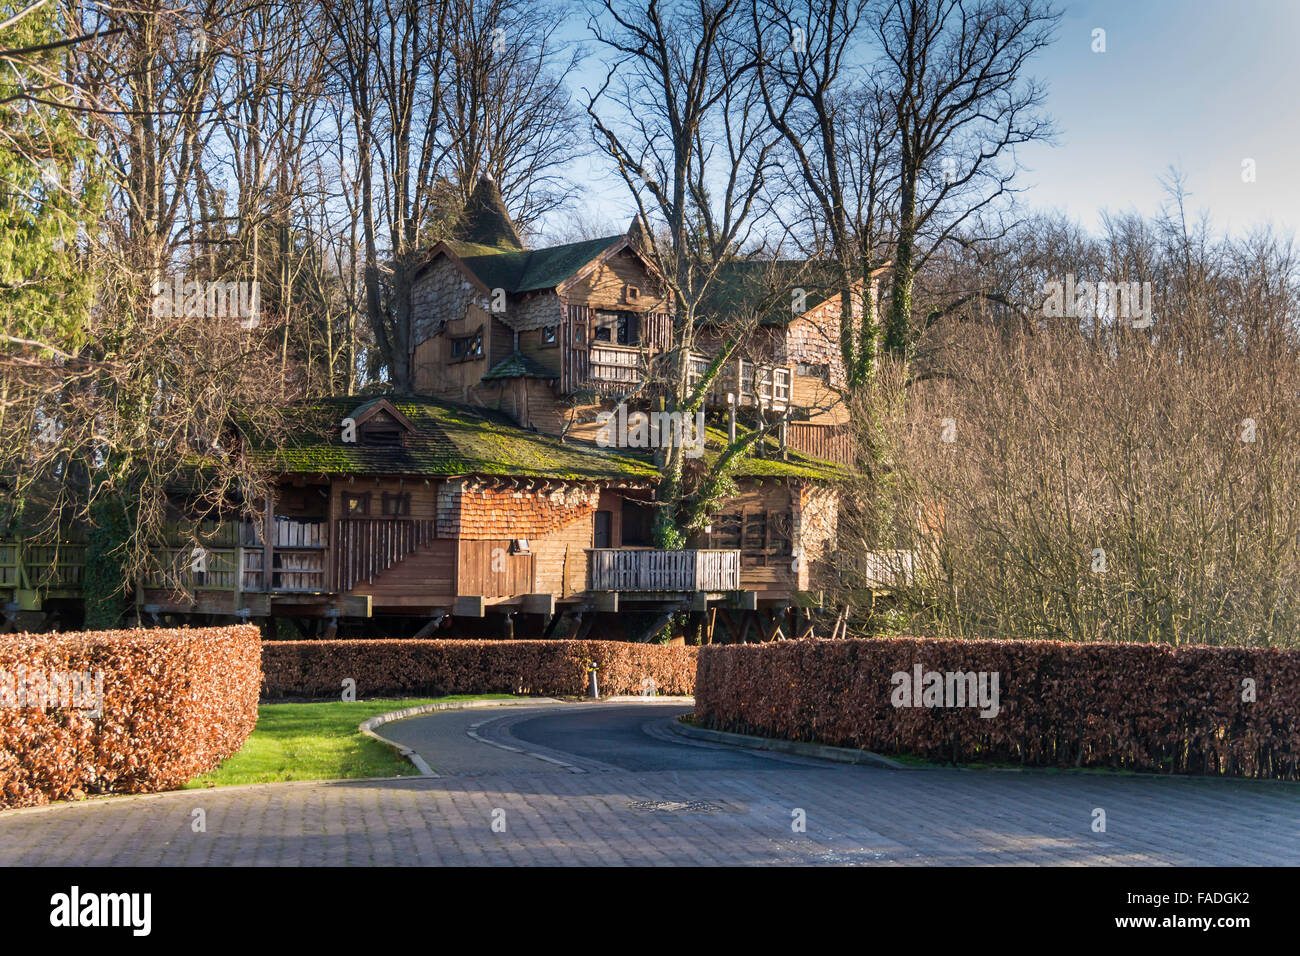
point(1141, 707)
point(440, 667)
point(175, 703)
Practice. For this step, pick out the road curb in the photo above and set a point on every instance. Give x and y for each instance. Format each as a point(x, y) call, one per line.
point(368, 726)
point(796, 748)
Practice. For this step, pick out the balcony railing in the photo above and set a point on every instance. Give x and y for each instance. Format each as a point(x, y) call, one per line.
point(614, 367)
point(751, 383)
point(621, 569)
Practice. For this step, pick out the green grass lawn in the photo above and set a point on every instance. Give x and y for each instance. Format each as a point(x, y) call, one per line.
point(317, 741)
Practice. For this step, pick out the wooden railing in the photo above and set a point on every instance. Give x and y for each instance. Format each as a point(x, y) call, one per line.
point(614, 367)
point(827, 442)
point(365, 547)
point(25, 565)
point(749, 382)
point(622, 569)
point(876, 570)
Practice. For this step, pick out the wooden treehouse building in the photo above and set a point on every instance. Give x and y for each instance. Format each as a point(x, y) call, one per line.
point(484, 496)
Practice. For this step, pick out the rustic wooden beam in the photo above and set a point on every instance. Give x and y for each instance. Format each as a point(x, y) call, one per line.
point(538, 604)
point(469, 605)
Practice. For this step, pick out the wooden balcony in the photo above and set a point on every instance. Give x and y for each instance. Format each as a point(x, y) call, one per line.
point(30, 571)
point(614, 368)
point(624, 569)
point(750, 383)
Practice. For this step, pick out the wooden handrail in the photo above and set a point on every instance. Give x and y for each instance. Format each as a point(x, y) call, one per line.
point(626, 569)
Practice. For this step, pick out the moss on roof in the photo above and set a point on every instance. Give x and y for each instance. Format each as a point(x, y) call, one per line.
point(519, 365)
point(796, 465)
point(448, 440)
point(528, 270)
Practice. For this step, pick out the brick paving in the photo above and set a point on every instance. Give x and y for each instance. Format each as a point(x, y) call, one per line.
point(729, 816)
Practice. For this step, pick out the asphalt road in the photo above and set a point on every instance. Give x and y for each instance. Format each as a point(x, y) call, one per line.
point(549, 738)
point(603, 784)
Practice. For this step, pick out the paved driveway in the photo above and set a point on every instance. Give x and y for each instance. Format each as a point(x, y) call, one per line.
point(606, 784)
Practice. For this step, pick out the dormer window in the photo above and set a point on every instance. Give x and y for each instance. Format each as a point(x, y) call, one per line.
point(378, 423)
point(379, 435)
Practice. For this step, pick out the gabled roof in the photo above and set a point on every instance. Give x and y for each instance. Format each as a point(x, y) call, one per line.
point(447, 440)
point(529, 270)
point(519, 365)
point(767, 286)
point(375, 406)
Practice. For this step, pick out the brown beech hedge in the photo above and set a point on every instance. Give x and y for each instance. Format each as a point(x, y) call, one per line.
point(1140, 707)
point(439, 667)
point(172, 704)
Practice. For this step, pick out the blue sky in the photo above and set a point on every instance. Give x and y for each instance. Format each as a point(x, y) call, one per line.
point(1199, 84)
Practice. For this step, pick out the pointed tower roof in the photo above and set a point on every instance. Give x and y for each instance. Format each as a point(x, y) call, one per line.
point(485, 221)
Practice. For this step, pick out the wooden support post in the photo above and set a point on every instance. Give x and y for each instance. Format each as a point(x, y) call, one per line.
point(268, 536)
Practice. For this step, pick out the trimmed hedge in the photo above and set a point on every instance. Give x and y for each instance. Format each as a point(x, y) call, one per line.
point(175, 703)
point(1132, 706)
point(440, 667)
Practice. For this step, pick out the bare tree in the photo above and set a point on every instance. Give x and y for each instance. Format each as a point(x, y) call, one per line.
point(956, 81)
point(693, 144)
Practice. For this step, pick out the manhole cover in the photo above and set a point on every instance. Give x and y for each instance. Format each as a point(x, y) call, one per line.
point(674, 806)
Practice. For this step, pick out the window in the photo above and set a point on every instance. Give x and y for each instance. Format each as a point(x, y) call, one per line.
point(467, 347)
point(812, 371)
point(397, 505)
point(621, 327)
point(579, 334)
point(382, 436)
point(631, 293)
point(753, 542)
point(550, 334)
point(355, 506)
point(726, 531)
point(764, 538)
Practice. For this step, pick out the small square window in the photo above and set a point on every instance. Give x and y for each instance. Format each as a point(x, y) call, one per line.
point(550, 334)
point(631, 293)
point(397, 505)
point(355, 506)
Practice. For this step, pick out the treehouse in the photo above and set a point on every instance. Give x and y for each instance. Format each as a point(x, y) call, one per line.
point(485, 496)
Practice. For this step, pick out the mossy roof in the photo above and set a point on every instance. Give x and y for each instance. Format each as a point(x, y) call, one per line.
point(448, 440)
point(519, 365)
point(529, 270)
point(796, 465)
